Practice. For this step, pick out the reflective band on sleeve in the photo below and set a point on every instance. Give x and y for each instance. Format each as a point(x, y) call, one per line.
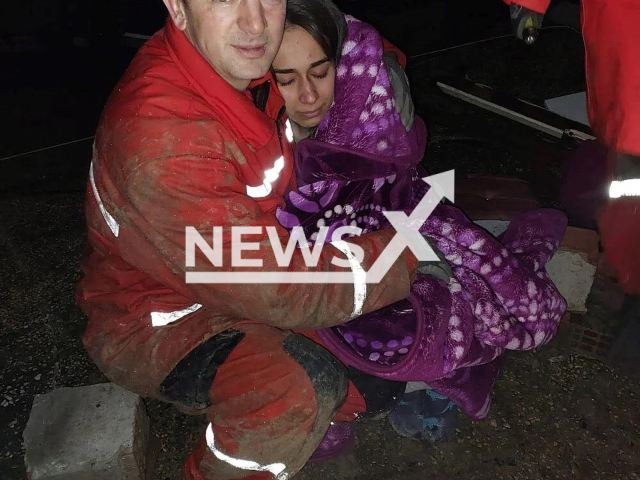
point(111, 222)
point(270, 176)
point(276, 469)
point(625, 188)
point(160, 319)
point(359, 278)
point(259, 192)
point(288, 130)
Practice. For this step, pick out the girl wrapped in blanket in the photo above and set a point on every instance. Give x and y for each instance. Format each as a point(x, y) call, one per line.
point(358, 148)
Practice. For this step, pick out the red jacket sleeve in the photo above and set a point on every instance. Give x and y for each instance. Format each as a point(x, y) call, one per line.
point(611, 38)
point(165, 196)
point(390, 47)
point(539, 6)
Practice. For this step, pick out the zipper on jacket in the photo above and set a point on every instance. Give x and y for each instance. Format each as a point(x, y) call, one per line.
point(260, 95)
point(279, 123)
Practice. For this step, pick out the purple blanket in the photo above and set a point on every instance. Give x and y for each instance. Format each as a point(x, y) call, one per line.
point(452, 336)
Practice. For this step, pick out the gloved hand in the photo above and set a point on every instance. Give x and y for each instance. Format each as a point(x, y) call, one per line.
point(401, 89)
point(525, 23)
point(440, 269)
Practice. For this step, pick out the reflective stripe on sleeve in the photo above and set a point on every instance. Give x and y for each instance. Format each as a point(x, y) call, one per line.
point(111, 222)
point(625, 188)
point(270, 176)
point(359, 278)
point(160, 319)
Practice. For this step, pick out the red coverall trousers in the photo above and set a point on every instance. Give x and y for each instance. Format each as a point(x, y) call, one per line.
point(269, 395)
point(272, 397)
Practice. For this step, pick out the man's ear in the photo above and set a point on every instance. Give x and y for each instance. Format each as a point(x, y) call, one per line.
point(177, 12)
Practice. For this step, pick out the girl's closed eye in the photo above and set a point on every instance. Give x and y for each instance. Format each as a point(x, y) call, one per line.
point(283, 82)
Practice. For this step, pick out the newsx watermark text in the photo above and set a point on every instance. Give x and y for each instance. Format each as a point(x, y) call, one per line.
point(407, 235)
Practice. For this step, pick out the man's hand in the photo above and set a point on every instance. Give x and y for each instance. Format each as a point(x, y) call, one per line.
point(401, 89)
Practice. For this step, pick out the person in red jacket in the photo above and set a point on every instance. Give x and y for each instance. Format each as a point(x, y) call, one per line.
point(188, 139)
point(611, 37)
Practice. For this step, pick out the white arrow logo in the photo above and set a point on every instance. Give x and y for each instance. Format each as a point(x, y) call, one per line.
point(442, 185)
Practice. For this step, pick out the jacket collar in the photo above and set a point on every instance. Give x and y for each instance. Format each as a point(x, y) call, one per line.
point(241, 115)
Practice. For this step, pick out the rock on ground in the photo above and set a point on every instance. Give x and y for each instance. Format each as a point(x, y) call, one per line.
point(99, 432)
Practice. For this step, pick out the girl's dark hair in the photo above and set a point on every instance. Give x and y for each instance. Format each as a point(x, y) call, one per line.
point(323, 21)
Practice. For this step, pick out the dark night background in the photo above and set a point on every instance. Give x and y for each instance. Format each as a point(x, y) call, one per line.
point(556, 414)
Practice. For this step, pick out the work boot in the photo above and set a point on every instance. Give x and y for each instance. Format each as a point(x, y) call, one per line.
point(425, 415)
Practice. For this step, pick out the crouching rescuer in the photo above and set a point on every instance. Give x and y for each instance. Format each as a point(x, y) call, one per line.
point(193, 136)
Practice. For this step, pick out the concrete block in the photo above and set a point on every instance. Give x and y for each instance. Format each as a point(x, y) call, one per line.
point(573, 276)
point(99, 432)
point(573, 268)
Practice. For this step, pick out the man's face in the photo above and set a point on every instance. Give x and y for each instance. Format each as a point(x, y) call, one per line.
point(239, 38)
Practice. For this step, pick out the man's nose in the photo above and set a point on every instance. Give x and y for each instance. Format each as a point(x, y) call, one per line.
point(251, 17)
point(308, 92)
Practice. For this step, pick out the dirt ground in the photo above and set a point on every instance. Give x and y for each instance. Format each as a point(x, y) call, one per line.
point(554, 416)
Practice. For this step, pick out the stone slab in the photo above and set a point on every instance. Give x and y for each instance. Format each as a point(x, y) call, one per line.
point(98, 432)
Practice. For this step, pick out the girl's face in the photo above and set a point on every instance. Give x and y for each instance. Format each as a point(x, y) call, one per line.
point(305, 77)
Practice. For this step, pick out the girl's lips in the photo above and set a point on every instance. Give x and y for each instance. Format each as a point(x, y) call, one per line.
point(311, 114)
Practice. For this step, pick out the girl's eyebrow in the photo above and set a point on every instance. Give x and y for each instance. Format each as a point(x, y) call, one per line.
point(319, 62)
point(313, 65)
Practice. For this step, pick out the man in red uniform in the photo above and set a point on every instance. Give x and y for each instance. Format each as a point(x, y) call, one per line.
point(188, 138)
point(612, 38)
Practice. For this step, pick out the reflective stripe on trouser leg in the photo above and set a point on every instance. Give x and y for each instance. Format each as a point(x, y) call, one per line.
point(263, 447)
point(277, 469)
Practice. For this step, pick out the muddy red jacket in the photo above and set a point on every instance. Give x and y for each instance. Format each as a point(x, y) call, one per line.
point(178, 147)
